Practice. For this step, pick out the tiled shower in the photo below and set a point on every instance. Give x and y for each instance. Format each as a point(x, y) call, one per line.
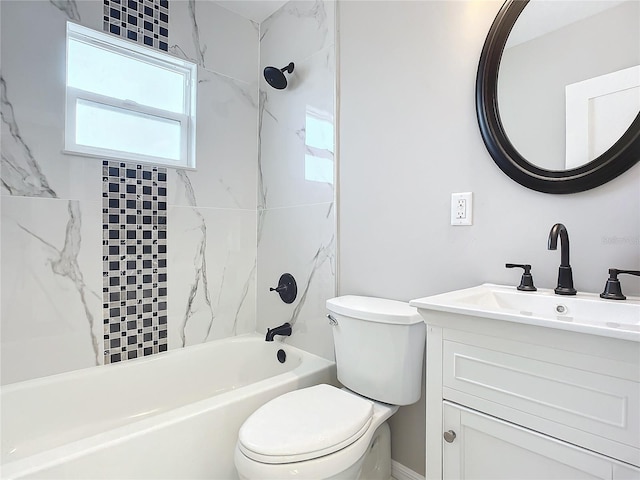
point(196, 250)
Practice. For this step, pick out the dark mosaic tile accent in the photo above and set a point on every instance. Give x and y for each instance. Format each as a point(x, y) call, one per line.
point(134, 260)
point(143, 21)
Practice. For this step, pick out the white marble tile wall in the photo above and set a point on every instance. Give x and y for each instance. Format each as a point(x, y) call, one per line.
point(51, 286)
point(296, 227)
point(212, 262)
point(226, 149)
point(51, 202)
point(212, 217)
point(299, 240)
point(214, 38)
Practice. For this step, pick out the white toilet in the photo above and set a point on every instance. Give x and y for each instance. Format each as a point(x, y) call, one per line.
point(324, 432)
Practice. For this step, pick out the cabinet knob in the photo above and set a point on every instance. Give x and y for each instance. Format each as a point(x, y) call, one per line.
point(449, 436)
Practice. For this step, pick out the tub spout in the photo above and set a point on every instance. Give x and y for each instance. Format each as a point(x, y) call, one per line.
point(284, 330)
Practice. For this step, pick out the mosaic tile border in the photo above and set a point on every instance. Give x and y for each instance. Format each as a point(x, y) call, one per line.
point(143, 21)
point(134, 259)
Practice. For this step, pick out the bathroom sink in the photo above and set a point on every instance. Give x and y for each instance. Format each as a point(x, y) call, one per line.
point(584, 312)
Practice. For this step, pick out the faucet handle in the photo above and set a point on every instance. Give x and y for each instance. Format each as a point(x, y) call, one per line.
point(287, 288)
point(613, 289)
point(526, 282)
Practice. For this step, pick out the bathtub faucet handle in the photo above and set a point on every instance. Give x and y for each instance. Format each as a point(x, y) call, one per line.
point(287, 288)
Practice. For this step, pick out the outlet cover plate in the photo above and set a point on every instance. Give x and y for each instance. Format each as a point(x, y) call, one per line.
point(462, 208)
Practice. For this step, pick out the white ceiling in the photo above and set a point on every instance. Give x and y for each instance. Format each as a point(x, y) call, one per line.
point(256, 10)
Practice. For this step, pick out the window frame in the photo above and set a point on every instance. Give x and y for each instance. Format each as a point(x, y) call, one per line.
point(187, 119)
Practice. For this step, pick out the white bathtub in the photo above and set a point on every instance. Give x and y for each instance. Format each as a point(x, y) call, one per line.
point(173, 415)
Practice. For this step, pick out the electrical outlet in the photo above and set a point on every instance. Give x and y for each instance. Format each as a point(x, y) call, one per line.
point(462, 208)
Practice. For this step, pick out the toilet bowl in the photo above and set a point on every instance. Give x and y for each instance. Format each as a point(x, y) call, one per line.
point(326, 432)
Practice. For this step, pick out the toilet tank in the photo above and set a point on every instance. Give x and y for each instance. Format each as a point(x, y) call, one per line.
point(379, 346)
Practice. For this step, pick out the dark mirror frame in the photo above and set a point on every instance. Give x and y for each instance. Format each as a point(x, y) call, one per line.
point(624, 154)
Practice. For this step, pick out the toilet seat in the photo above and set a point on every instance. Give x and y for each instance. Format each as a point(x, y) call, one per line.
point(305, 424)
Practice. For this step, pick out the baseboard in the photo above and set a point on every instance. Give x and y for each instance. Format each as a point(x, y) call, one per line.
point(400, 472)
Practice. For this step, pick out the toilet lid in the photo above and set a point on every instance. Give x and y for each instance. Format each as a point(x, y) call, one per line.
point(305, 424)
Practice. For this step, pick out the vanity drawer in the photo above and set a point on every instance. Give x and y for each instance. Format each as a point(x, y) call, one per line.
point(542, 395)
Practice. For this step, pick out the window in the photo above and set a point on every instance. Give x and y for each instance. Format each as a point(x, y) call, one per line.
point(128, 102)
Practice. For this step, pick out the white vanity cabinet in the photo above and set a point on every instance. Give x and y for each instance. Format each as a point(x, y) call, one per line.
point(485, 447)
point(512, 401)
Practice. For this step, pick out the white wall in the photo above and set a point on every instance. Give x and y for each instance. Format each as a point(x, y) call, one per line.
point(409, 138)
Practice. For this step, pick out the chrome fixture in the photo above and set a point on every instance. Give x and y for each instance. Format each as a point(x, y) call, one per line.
point(332, 321)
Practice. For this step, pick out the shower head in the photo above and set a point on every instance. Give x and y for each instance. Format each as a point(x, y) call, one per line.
point(275, 76)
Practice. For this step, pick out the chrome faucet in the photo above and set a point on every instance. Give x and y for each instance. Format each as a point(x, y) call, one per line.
point(565, 276)
point(284, 330)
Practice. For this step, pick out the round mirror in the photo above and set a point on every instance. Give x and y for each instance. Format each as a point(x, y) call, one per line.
point(558, 92)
